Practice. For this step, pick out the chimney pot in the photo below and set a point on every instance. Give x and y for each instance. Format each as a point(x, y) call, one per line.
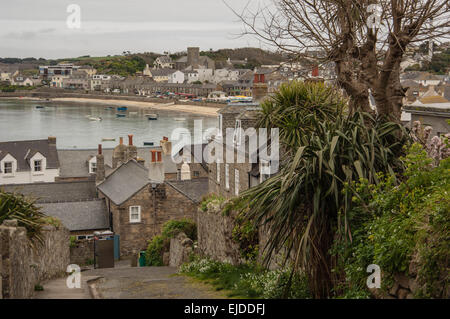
point(121, 140)
point(99, 149)
point(153, 156)
point(130, 139)
point(52, 140)
point(159, 156)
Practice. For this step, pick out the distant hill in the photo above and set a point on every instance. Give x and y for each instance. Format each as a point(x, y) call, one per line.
point(129, 64)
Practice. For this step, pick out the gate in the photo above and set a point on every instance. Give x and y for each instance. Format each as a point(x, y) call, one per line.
point(104, 250)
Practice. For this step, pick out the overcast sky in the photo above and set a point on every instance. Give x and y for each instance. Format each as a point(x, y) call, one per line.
point(38, 28)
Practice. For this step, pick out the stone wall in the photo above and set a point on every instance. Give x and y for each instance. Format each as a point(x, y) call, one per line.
point(24, 266)
point(82, 253)
point(214, 233)
point(180, 249)
point(170, 205)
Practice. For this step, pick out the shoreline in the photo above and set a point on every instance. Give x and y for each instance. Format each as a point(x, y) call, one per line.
point(186, 108)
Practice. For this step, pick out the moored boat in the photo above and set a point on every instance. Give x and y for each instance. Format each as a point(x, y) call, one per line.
point(120, 115)
point(152, 117)
point(122, 108)
point(108, 139)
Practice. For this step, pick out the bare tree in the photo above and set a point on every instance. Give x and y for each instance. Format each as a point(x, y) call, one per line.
point(366, 39)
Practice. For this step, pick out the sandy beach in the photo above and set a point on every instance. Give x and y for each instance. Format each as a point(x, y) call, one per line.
point(194, 109)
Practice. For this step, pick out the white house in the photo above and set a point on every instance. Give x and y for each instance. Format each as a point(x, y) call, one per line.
point(176, 77)
point(205, 75)
point(24, 162)
point(191, 76)
point(57, 81)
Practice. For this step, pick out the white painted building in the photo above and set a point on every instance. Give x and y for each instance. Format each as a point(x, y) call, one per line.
point(25, 162)
point(176, 77)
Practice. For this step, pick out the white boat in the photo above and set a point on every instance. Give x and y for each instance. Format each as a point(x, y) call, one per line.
point(98, 119)
point(152, 116)
point(179, 119)
point(132, 113)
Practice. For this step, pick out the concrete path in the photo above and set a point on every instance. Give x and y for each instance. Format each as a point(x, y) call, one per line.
point(149, 283)
point(57, 289)
point(125, 282)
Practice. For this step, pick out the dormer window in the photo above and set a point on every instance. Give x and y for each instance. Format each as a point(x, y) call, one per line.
point(38, 165)
point(8, 167)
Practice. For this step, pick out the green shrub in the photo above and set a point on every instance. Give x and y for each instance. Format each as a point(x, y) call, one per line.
point(173, 227)
point(394, 225)
point(211, 198)
point(73, 241)
point(154, 253)
point(161, 243)
point(23, 209)
point(247, 280)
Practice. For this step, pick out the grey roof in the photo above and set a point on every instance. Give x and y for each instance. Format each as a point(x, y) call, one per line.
point(165, 59)
point(193, 189)
point(162, 72)
point(56, 192)
point(21, 150)
point(124, 182)
point(74, 163)
point(77, 216)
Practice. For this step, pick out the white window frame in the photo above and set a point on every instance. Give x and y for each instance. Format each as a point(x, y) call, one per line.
point(227, 176)
point(12, 168)
point(135, 220)
point(236, 182)
point(92, 167)
point(40, 165)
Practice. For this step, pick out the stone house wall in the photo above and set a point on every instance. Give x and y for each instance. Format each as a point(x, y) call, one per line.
point(22, 267)
point(170, 204)
point(82, 252)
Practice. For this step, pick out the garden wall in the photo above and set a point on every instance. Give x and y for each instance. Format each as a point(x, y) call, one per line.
point(214, 233)
point(22, 267)
point(180, 248)
point(82, 252)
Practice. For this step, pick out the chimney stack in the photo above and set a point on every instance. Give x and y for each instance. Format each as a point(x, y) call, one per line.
point(156, 167)
point(131, 149)
point(52, 140)
point(120, 154)
point(260, 89)
point(100, 172)
point(166, 146)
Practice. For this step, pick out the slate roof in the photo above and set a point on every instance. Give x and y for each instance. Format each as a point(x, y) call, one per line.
point(78, 216)
point(162, 72)
point(124, 182)
point(21, 150)
point(193, 189)
point(56, 192)
point(74, 163)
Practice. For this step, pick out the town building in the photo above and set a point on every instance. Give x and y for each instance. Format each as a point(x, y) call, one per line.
point(163, 62)
point(29, 161)
point(193, 61)
point(48, 71)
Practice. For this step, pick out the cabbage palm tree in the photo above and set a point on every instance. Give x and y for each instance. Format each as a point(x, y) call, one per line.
point(325, 149)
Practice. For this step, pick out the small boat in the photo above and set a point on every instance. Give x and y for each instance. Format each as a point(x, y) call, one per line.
point(108, 139)
point(152, 117)
point(40, 107)
point(109, 108)
point(98, 119)
point(120, 115)
point(149, 143)
point(122, 108)
point(180, 119)
point(132, 113)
